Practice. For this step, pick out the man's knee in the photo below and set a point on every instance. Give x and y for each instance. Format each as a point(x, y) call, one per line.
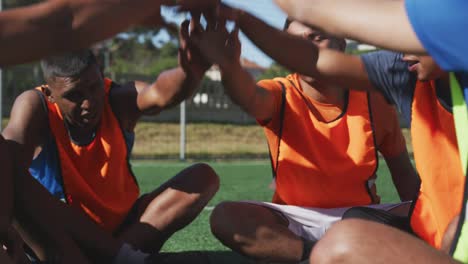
point(206, 178)
point(220, 220)
point(336, 245)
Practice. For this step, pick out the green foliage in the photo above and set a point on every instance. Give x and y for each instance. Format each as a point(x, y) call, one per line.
point(275, 70)
point(132, 57)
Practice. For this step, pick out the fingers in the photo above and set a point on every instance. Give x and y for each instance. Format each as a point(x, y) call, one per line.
point(195, 25)
point(184, 34)
point(234, 35)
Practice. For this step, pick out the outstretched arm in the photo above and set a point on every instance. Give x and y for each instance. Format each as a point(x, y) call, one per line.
point(301, 55)
point(223, 48)
point(175, 85)
point(381, 23)
point(170, 88)
point(56, 26)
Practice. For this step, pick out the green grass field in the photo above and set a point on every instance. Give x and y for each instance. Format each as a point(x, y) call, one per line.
point(244, 180)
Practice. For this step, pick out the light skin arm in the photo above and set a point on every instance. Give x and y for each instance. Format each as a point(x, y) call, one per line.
point(381, 23)
point(56, 26)
point(329, 65)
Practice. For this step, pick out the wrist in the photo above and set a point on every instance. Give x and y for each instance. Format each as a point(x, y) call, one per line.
point(229, 66)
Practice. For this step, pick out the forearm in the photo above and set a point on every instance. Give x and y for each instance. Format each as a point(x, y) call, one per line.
point(404, 176)
point(55, 26)
point(295, 53)
point(381, 23)
point(242, 89)
point(171, 88)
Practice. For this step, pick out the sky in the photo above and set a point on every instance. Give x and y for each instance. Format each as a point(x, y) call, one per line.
point(263, 9)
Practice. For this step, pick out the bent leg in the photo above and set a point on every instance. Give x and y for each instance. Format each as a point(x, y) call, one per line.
point(58, 230)
point(4, 258)
point(358, 241)
point(171, 207)
point(6, 189)
point(255, 231)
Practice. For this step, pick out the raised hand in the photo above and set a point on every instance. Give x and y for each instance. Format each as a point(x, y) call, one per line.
point(190, 58)
point(217, 45)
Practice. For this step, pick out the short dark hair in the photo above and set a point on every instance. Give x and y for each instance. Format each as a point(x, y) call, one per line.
point(67, 64)
point(287, 23)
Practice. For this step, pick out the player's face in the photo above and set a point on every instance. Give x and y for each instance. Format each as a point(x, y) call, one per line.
point(320, 39)
point(80, 99)
point(424, 66)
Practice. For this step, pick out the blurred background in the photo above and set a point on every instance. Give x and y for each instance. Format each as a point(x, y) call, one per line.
point(206, 127)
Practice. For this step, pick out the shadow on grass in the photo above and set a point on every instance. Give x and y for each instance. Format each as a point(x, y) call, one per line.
point(201, 257)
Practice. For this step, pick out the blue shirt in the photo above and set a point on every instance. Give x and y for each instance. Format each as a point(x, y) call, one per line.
point(390, 75)
point(442, 28)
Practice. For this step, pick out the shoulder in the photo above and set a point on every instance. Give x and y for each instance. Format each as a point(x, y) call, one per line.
point(385, 60)
point(33, 101)
point(123, 101)
point(28, 116)
point(380, 105)
point(270, 84)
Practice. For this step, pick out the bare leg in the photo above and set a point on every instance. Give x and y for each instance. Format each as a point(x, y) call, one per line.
point(15, 247)
point(171, 207)
point(255, 231)
point(4, 258)
point(56, 229)
point(359, 241)
point(6, 190)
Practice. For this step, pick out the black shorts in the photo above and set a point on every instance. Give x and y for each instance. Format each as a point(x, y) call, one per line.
point(379, 216)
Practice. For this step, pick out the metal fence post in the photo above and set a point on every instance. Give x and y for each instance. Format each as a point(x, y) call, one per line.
point(182, 131)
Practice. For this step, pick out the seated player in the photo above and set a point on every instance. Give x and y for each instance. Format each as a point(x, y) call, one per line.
point(76, 134)
point(427, 106)
point(323, 141)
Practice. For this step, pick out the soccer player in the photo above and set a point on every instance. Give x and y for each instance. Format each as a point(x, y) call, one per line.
point(323, 141)
point(77, 133)
point(60, 26)
point(426, 106)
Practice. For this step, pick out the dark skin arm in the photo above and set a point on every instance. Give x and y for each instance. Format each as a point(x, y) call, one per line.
point(381, 23)
point(223, 48)
point(57, 26)
point(404, 176)
point(290, 51)
point(135, 99)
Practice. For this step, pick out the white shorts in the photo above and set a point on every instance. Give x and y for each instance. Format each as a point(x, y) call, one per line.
point(312, 223)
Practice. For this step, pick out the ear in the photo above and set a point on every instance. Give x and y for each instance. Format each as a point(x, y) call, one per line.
point(48, 93)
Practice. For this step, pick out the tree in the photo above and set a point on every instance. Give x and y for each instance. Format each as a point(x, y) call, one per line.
point(275, 70)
